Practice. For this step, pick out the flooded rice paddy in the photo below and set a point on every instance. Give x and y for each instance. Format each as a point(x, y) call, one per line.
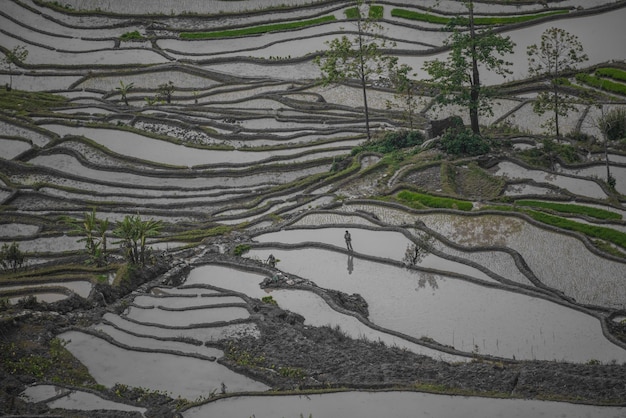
point(249, 142)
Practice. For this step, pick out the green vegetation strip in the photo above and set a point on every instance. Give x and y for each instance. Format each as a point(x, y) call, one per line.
point(614, 73)
point(602, 84)
point(376, 12)
point(25, 101)
point(607, 234)
point(496, 20)
point(255, 30)
point(571, 209)
point(434, 201)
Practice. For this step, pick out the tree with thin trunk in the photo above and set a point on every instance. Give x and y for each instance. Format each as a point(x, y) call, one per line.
point(358, 57)
point(11, 257)
point(457, 79)
point(165, 92)
point(14, 57)
point(559, 52)
point(406, 92)
point(612, 124)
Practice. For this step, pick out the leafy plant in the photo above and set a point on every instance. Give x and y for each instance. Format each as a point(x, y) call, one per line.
point(269, 300)
point(241, 249)
point(359, 58)
point(613, 124)
point(463, 142)
point(124, 89)
point(93, 233)
point(165, 92)
point(133, 233)
point(458, 77)
point(11, 257)
point(548, 153)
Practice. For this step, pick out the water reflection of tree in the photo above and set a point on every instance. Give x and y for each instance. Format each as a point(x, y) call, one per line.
point(427, 278)
point(415, 254)
point(416, 251)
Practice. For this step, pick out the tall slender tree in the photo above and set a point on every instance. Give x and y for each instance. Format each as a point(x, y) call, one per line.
point(359, 57)
point(558, 52)
point(458, 77)
point(406, 92)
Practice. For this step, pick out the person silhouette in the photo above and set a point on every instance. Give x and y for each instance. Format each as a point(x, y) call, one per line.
point(348, 239)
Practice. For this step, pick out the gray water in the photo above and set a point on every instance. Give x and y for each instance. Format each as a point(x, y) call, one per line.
point(396, 405)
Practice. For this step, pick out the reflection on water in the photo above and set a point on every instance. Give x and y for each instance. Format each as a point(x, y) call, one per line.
point(574, 185)
point(317, 313)
point(59, 397)
point(179, 375)
point(350, 263)
point(394, 404)
point(464, 315)
point(378, 243)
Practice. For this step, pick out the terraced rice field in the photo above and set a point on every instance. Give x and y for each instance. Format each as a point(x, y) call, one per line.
point(250, 149)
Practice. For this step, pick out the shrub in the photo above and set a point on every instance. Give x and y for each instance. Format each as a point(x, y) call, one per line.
point(614, 124)
point(464, 142)
point(241, 249)
point(546, 155)
point(269, 300)
point(11, 257)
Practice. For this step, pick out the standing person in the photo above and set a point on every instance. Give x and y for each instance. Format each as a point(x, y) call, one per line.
point(348, 239)
point(271, 260)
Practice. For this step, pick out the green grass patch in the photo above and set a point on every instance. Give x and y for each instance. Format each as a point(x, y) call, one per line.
point(614, 73)
point(132, 36)
point(241, 249)
point(376, 12)
point(491, 20)
point(256, 30)
point(434, 201)
point(570, 209)
point(25, 102)
point(602, 84)
point(607, 234)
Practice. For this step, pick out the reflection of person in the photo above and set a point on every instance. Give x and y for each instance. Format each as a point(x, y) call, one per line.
point(348, 239)
point(350, 264)
point(271, 260)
